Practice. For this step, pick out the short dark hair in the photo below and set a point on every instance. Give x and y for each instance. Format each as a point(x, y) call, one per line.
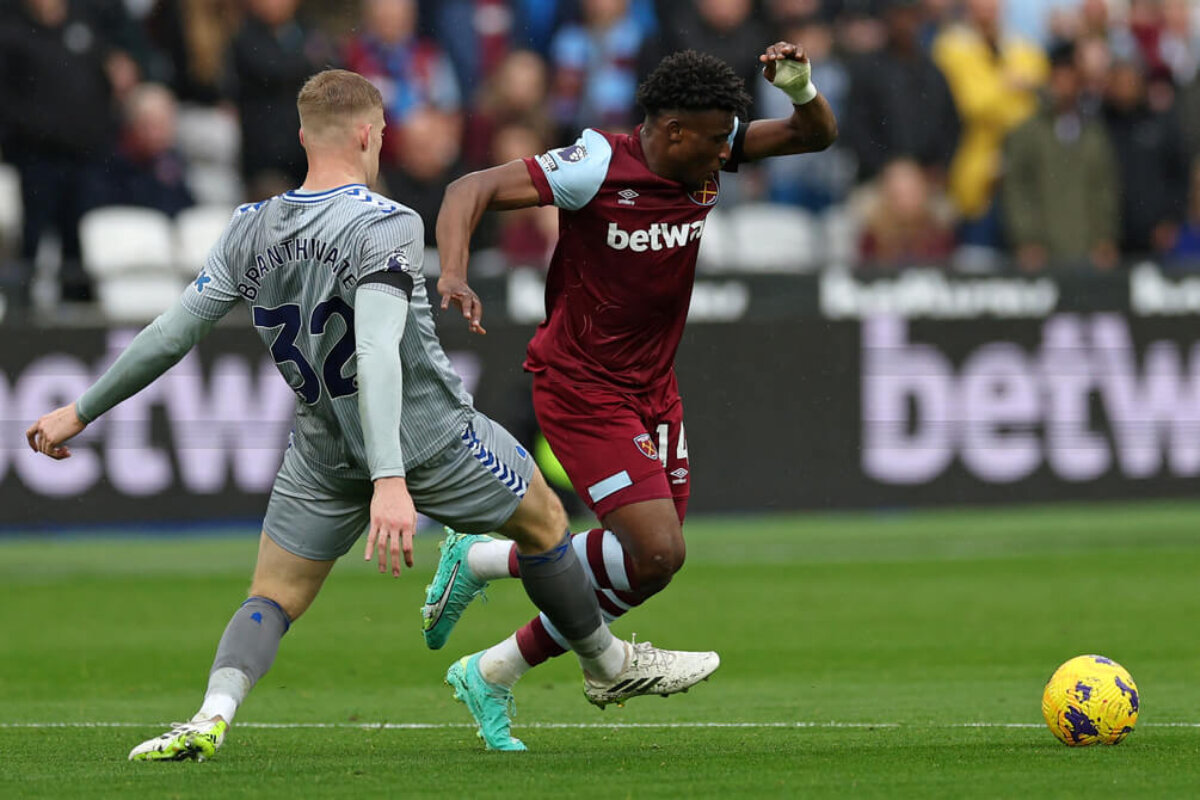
point(692, 81)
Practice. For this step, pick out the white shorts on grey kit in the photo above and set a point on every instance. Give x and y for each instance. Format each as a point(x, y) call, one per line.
point(473, 485)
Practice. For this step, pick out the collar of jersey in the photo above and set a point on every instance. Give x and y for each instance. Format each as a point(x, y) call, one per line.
point(301, 196)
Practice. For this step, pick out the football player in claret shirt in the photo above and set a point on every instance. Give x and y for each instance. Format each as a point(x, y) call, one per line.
point(632, 210)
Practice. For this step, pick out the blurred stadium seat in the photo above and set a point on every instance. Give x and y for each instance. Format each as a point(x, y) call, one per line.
point(210, 141)
point(10, 208)
point(215, 184)
point(840, 234)
point(196, 231)
point(771, 237)
point(209, 136)
point(716, 245)
point(129, 255)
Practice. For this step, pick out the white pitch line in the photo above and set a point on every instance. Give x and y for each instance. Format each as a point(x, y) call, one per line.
point(390, 726)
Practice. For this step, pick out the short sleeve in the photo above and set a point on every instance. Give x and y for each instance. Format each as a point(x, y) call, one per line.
point(215, 290)
point(391, 242)
point(569, 177)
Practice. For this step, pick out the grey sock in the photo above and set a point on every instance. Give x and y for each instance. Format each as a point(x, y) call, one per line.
point(251, 638)
point(556, 583)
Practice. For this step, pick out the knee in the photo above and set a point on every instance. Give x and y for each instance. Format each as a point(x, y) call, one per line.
point(655, 567)
point(292, 600)
point(540, 521)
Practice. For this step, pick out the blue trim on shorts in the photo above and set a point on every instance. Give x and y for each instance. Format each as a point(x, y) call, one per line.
point(509, 477)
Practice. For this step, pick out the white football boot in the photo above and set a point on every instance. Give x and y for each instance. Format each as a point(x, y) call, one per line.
point(649, 670)
point(198, 739)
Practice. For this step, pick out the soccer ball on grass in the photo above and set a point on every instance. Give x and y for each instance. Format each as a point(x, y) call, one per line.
point(1090, 700)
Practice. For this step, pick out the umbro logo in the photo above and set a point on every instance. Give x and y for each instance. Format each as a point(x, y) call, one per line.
point(626, 197)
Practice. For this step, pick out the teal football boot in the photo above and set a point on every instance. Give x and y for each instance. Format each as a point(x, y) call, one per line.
point(452, 590)
point(492, 706)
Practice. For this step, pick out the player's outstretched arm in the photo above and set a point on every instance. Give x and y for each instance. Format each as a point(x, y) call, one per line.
point(501, 188)
point(812, 125)
point(152, 352)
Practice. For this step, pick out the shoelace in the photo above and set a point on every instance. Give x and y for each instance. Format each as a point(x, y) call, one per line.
point(646, 655)
point(176, 729)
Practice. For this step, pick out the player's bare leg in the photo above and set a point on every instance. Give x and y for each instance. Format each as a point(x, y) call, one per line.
point(286, 578)
point(283, 588)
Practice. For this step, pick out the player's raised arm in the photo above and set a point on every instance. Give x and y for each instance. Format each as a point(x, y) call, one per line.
point(812, 125)
point(501, 188)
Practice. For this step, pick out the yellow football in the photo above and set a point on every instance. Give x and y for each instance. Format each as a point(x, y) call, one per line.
point(1090, 700)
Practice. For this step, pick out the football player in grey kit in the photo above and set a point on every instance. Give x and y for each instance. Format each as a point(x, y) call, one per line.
point(331, 273)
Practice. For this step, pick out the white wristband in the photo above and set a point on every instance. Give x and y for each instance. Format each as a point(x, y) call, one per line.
point(793, 78)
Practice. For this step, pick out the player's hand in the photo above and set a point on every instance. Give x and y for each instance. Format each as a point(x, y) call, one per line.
point(456, 290)
point(393, 523)
point(781, 51)
point(48, 434)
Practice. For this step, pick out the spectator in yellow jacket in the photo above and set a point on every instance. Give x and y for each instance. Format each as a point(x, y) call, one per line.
point(994, 80)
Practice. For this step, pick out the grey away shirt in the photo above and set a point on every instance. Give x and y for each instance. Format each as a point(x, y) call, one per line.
point(296, 260)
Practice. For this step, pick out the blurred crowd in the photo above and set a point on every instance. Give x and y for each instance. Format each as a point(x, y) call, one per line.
point(976, 135)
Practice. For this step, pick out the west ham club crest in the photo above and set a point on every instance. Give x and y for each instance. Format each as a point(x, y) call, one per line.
point(707, 194)
point(646, 445)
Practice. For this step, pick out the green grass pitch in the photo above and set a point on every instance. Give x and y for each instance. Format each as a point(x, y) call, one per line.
point(865, 655)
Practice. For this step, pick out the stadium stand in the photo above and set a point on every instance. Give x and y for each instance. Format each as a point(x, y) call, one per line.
point(770, 237)
point(196, 231)
point(129, 254)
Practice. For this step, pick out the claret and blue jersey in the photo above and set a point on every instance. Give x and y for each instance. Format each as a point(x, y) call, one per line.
point(621, 276)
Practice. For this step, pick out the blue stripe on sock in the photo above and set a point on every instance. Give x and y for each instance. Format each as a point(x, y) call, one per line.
point(287, 621)
point(555, 553)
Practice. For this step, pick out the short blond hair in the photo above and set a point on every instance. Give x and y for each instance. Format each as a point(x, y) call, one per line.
point(335, 96)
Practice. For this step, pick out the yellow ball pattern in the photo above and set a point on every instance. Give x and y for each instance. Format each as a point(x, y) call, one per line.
point(1090, 700)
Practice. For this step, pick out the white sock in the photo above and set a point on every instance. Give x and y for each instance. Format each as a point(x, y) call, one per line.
point(227, 688)
point(503, 664)
point(610, 663)
point(488, 560)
